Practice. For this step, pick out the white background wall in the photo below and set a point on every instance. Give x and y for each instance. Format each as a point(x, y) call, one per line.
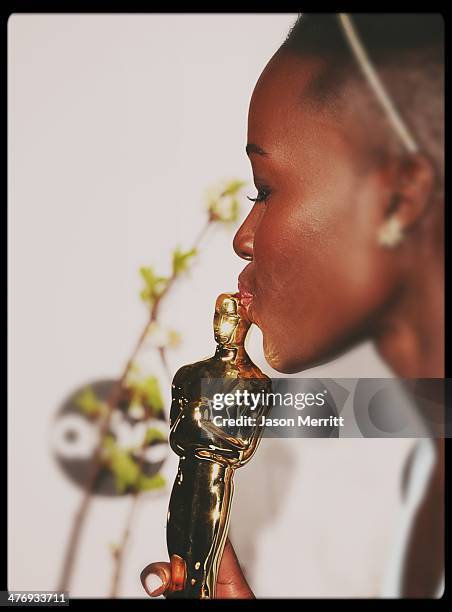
point(117, 124)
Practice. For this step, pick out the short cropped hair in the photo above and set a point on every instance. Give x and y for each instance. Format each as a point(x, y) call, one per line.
point(407, 49)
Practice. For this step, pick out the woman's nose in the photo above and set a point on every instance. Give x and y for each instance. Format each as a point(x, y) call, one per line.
point(244, 238)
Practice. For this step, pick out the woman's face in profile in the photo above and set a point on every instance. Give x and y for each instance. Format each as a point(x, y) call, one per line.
point(317, 276)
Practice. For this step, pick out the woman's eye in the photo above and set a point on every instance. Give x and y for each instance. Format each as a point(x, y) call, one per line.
point(262, 195)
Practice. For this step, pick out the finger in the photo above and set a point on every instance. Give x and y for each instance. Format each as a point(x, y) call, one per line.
point(178, 573)
point(156, 578)
point(231, 582)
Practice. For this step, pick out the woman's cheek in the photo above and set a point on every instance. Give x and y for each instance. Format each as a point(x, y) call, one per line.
point(277, 249)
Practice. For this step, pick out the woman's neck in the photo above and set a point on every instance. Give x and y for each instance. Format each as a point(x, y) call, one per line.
point(410, 337)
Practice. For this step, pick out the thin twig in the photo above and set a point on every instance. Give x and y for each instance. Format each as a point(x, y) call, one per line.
point(162, 353)
point(119, 552)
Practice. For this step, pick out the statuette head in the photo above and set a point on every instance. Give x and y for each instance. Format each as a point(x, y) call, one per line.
point(228, 316)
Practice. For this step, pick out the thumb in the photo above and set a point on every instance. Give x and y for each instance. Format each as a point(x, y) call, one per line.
point(231, 582)
point(161, 577)
point(156, 578)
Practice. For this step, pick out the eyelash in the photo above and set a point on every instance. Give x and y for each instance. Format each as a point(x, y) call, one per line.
point(262, 195)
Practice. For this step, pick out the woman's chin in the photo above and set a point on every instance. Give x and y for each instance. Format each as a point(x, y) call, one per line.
point(287, 362)
point(279, 361)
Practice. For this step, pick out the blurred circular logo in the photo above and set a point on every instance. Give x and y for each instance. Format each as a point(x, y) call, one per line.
point(133, 448)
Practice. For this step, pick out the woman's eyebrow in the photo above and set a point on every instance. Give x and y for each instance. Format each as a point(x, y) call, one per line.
point(253, 148)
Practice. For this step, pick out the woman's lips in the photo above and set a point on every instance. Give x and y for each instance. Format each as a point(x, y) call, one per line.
point(246, 300)
point(246, 297)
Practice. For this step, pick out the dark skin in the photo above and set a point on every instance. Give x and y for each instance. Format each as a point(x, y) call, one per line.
point(313, 240)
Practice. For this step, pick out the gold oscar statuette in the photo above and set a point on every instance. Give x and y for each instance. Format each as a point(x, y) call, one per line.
point(210, 450)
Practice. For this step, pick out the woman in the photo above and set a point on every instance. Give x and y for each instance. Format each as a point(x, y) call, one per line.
point(347, 224)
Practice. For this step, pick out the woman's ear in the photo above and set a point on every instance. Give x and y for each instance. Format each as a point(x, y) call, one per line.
point(413, 190)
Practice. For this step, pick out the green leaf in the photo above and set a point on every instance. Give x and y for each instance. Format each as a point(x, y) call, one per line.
point(224, 212)
point(153, 434)
point(174, 338)
point(89, 404)
point(151, 391)
point(148, 274)
point(121, 464)
point(149, 483)
point(234, 211)
point(126, 471)
point(148, 391)
point(144, 295)
point(181, 259)
point(154, 285)
point(233, 188)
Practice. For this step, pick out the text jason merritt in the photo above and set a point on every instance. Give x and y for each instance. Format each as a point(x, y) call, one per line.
point(306, 421)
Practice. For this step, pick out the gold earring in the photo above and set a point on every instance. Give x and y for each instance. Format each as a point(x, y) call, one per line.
point(390, 233)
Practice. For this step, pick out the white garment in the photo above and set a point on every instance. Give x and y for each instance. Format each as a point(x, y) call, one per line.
point(423, 463)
